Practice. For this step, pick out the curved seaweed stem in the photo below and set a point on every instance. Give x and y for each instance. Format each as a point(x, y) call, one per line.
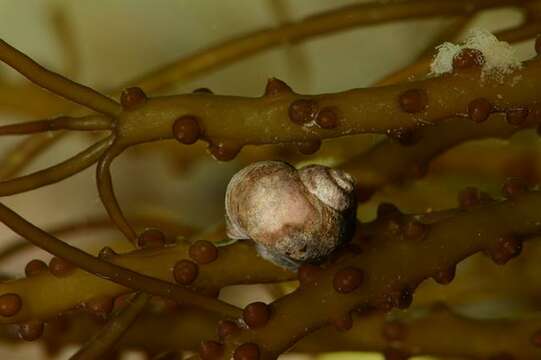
point(434, 330)
point(312, 26)
point(64, 32)
point(497, 227)
point(107, 270)
point(236, 264)
point(56, 172)
point(85, 123)
point(172, 229)
point(22, 154)
point(57, 83)
point(106, 338)
point(107, 195)
point(231, 51)
point(238, 120)
point(403, 162)
point(411, 161)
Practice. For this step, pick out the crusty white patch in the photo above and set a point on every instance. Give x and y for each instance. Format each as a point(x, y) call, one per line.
point(500, 57)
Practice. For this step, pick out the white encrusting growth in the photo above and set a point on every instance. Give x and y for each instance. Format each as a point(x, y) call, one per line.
point(499, 57)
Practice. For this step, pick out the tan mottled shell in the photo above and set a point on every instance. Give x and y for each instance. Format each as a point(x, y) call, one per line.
point(293, 216)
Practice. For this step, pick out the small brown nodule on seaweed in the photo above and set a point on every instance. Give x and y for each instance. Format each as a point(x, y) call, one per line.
point(186, 129)
point(132, 97)
point(413, 100)
point(10, 304)
point(203, 252)
point(247, 351)
point(348, 279)
point(256, 314)
point(185, 272)
point(479, 110)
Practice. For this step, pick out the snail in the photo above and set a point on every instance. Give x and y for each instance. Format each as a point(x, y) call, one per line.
point(293, 216)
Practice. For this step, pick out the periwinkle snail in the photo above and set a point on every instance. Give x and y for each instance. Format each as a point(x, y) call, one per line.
point(293, 216)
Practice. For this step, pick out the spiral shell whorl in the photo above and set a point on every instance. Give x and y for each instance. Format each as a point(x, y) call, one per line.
point(333, 187)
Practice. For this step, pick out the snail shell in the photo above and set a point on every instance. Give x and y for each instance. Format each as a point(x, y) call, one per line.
point(293, 216)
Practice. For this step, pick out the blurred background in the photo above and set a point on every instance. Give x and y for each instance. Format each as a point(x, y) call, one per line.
point(106, 43)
